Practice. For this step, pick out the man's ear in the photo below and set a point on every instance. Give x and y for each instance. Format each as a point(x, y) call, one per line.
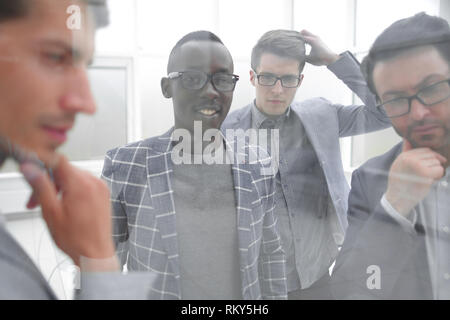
point(166, 88)
point(253, 78)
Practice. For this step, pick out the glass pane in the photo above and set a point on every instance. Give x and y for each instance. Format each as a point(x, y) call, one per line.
point(372, 17)
point(92, 136)
point(331, 20)
point(119, 36)
point(161, 24)
point(156, 111)
point(242, 23)
point(335, 27)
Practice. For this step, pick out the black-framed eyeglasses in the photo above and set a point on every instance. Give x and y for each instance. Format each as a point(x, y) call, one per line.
point(428, 96)
point(196, 80)
point(287, 81)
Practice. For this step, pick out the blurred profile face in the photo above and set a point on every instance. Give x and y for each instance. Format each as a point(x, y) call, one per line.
point(43, 80)
point(403, 76)
point(274, 100)
point(208, 105)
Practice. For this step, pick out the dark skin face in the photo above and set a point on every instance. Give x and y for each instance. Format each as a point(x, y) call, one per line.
point(209, 57)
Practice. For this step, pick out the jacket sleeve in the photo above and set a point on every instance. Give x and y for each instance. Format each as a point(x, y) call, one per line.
point(115, 286)
point(357, 119)
point(376, 249)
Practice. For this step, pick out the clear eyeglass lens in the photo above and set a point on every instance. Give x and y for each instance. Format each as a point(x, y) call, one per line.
point(267, 80)
point(287, 81)
point(396, 107)
point(435, 93)
point(428, 96)
point(223, 81)
point(194, 80)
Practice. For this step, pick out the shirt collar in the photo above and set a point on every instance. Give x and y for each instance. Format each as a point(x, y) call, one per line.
point(259, 117)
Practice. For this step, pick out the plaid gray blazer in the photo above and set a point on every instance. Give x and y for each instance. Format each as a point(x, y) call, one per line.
point(139, 177)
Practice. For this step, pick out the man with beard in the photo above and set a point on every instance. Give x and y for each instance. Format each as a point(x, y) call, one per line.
point(398, 241)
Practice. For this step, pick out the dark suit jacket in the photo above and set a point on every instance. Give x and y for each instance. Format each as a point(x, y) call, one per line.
point(19, 278)
point(374, 238)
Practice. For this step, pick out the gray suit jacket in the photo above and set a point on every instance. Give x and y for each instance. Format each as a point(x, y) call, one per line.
point(139, 176)
point(374, 238)
point(325, 123)
point(20, 279)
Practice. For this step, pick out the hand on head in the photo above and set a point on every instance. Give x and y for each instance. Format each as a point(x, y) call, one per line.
point(320, 54)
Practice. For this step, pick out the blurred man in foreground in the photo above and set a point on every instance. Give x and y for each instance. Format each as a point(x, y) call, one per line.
point(44, 85)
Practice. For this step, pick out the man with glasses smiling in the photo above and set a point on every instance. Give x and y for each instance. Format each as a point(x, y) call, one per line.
point(311, 188)
point(398, 241)
point(207, 230)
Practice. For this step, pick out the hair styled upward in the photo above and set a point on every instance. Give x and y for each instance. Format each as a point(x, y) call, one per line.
point(16, 9)
point(283, 43)
point(406, 34)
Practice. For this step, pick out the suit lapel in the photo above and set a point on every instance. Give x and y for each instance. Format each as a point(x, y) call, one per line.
point(160, 173)
point(243, 120)
point(245, 197)
point(315, 128)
